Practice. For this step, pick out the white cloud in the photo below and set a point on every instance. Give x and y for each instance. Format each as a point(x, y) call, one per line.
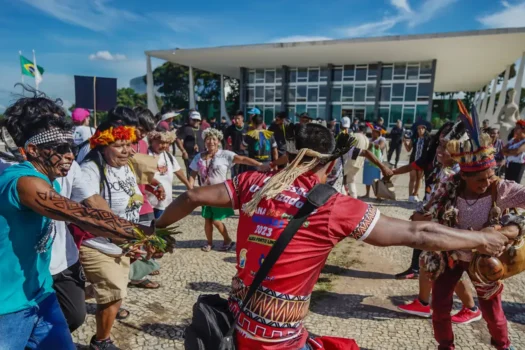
point(183, 23)
point(299, 38)
point(428, 10)
point(510, 16)
point(106, 56)
point(402, 5)
point(371, 28)
point(95, 15)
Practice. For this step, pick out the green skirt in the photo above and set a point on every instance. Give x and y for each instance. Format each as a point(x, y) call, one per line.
point(217, 214)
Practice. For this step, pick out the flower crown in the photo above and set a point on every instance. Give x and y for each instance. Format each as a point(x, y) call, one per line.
point(111, 135)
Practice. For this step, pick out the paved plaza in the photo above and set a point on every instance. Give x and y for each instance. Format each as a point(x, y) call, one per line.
point(355, 297)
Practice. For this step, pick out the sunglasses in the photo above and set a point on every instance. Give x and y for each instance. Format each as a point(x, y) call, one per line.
point(61, 148)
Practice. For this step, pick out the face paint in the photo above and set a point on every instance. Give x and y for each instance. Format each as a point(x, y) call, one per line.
point(57, 159)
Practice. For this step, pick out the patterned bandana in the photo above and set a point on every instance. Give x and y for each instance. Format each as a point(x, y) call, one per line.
point(51, 136)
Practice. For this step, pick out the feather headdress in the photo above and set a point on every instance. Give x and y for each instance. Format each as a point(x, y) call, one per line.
point(475, 153)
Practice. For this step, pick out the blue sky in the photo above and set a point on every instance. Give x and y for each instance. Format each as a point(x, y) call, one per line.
point(108, 37)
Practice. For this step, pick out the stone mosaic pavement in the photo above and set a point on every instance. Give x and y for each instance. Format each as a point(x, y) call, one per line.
point(355, 297)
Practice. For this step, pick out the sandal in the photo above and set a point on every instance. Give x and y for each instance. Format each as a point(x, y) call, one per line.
point(146, 284)
point(155, 273)
point(227, 247)
point(207, 248)
point(122, 314)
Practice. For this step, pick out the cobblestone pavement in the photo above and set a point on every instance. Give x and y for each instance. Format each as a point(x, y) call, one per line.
point(355, 297)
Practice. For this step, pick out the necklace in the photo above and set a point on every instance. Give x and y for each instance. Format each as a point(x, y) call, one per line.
point(470, 205)
point(208, 163)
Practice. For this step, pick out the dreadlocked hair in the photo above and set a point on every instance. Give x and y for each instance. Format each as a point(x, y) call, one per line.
point(96, 155)
point(325, 150)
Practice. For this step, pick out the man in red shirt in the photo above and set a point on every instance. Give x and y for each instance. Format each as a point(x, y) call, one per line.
point(273, 319)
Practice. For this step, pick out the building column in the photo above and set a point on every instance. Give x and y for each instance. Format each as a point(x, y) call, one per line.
point(242, 89)
point(519, 80)
point(150, 89)
point(329, 83)
point(377, 100)
point(284, 88)
point(224, 112)
point(191, 88)
point(431, 95)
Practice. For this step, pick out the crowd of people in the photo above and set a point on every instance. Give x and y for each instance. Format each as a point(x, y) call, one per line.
point(76, 203)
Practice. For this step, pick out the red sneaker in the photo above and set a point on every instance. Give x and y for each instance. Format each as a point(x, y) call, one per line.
point(466, 316)
point(416, 308)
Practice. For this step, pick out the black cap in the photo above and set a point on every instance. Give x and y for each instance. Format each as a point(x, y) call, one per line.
point(282, 115)
point(305, 115)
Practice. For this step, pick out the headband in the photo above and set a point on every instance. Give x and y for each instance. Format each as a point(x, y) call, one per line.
point(109, 136)
point(54, 135)
point(376, 128)
point(212, 132)
point(164, 136)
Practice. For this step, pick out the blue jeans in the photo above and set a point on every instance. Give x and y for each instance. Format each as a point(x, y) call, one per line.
point(40, 327)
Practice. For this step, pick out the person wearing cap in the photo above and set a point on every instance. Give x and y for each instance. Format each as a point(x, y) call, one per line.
point(345, 125)
point(305, 118)
point(278, 127)
point(252, 113)
point(83, 131)
point(166, 121)
point(189, 140)
point(418, 147)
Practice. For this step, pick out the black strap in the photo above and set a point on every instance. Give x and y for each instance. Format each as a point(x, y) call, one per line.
point(316, 198)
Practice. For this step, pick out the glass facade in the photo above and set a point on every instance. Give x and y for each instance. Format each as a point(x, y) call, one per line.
point(395, 90)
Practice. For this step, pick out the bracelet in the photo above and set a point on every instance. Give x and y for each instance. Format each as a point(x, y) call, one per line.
point(518, 220)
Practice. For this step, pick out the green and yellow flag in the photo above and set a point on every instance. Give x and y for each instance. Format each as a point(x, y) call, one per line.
point(28, 68)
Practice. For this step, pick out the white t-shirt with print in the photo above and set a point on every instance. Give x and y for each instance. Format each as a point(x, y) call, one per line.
point(213, 171)
point(166, 166)
point(126, 199)
point(64, 251)
point(520, 157)
point(82, 133)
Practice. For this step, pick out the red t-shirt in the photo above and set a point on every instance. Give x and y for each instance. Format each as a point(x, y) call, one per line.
point(275, 314)
point(142, 147)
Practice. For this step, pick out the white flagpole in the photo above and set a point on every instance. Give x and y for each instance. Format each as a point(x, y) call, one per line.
point(22, 74)
point(36, 71)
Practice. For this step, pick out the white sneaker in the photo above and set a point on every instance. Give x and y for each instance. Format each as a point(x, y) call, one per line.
point(416, 199)
point(411, 199)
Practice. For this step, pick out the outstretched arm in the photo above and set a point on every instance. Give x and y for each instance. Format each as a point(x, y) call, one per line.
point(246, 161)
point(433, 237)
point(182, 177)
point(387, 172)
point(40, 197)
point(183, 205)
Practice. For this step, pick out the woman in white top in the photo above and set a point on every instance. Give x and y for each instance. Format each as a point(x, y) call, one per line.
point(377, 147)
point(212, 167)
point(106, 170)
point(159, 144)
point(515, 153)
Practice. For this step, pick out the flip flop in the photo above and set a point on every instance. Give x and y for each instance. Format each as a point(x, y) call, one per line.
point(227, 247)
point(155, 273)
point(206, 248)
point(122, 314)
point(144, 284)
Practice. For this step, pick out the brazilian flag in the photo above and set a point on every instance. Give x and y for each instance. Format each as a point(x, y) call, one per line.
point(28, 68)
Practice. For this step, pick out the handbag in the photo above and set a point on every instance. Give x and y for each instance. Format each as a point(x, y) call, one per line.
point(212, 326)
point(384, 189)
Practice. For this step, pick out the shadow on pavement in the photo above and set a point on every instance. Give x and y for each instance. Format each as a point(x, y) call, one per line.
point(161, 330)
point(515, 312)
point(349, 306)
point(230, 259)
point(341, 271)
point(209, 287)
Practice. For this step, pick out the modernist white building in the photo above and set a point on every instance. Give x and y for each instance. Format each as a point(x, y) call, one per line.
point(393, 77)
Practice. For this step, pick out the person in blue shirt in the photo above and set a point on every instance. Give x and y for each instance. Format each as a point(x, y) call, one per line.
point(29, 193)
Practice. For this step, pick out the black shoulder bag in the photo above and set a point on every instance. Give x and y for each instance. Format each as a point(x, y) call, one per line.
point(213, 325)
